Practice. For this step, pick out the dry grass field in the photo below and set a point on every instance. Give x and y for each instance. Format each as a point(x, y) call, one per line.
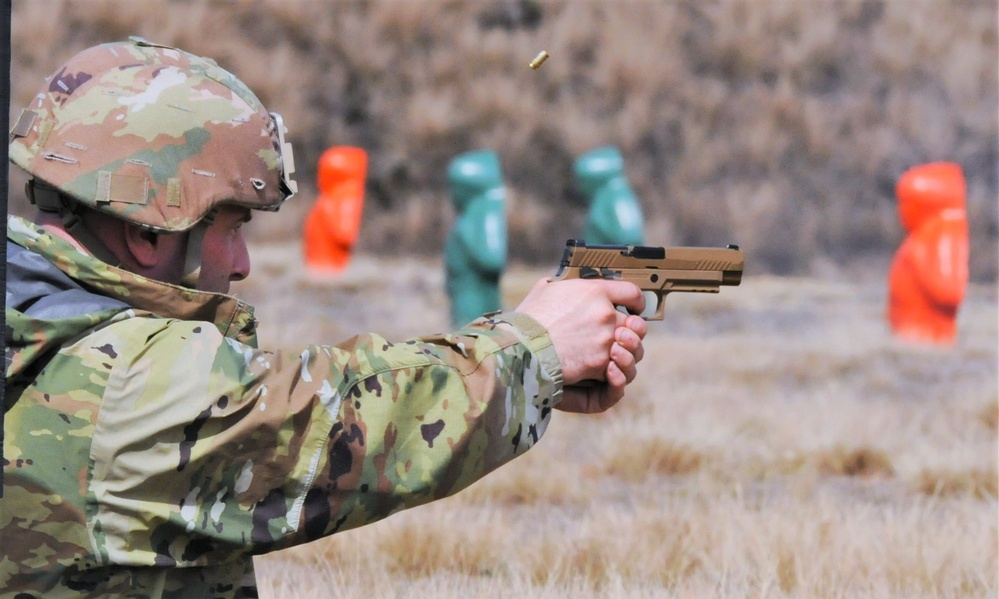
point(778, 443)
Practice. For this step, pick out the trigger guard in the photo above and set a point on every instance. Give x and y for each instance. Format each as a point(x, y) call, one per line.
point(651, 306)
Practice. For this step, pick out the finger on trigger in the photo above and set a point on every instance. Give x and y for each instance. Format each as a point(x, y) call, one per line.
point(628, 295)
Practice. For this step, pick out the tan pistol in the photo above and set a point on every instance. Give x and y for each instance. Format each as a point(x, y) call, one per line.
point(658, 271)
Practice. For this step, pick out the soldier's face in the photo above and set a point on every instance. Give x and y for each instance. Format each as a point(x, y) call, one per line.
point(224, 257)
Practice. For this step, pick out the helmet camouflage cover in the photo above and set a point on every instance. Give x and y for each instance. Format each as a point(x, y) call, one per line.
point(153, 135)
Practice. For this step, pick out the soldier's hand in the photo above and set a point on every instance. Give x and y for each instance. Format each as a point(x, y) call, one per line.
point(625, 354)
point(598, 345)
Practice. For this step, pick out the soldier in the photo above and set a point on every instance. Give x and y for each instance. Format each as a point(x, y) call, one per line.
point(151, 447)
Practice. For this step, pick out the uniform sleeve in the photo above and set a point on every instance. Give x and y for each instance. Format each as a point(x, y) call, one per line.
point(206, 449)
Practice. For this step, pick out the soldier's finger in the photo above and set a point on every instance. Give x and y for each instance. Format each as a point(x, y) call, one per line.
point(627, 295)
point(629, 340)
point(624, 362)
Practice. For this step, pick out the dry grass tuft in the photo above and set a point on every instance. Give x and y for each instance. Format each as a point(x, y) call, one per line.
point(989, 415)
point(862, 462)
point(975, 484)
point(637, 459)
point(423, 549)
point(530, 484)
point(601, 554)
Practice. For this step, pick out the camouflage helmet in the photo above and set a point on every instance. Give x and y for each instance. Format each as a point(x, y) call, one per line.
point(153, 135)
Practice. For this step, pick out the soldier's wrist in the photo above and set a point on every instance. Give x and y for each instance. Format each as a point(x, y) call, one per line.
point(535, 337)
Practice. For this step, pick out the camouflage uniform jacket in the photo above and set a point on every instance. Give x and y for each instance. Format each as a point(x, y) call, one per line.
point(151, 449)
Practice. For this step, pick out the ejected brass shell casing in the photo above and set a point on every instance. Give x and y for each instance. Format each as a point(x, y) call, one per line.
point(540, 58)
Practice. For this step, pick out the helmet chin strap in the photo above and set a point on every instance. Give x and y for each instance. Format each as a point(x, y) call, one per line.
point(48, 199)
point(192, 255)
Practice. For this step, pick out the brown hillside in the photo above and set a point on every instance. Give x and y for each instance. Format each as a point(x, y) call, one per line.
point(778, 125)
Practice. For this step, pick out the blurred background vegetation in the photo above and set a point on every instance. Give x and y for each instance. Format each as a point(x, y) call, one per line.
point(780, 125)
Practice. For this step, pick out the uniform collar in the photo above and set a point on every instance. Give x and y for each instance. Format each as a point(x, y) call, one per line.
point(233, 317)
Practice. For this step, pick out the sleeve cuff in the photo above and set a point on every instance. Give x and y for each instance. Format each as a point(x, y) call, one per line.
point(536, 338)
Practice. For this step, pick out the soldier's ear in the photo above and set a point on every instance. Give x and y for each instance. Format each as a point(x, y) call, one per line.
point(143, 245)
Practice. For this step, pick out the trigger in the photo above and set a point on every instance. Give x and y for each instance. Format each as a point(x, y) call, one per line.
point(651, 304)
